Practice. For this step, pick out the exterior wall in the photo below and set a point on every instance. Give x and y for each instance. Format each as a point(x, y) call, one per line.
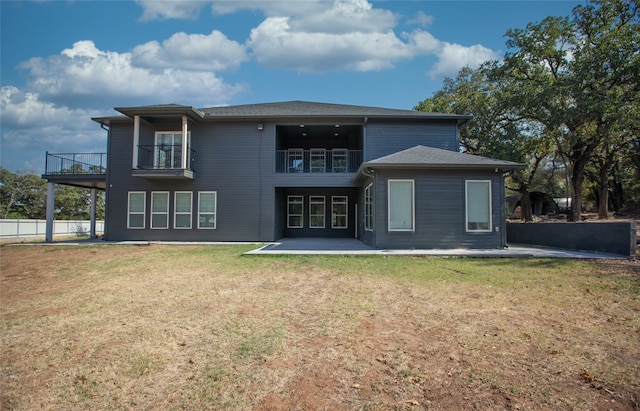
point(235, 160)
point(439, 198)
point(606, 237)
point(384, 138)
point(306, 231)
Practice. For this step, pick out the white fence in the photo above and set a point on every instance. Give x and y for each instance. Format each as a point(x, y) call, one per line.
point(37, 228)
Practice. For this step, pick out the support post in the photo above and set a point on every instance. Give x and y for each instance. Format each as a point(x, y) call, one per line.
point(93, 212)
point(51, 190)
point(136, 141)
point(185, 149)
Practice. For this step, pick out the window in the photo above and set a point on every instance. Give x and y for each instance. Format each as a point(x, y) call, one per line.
point(136, 209)
point(368, 208)
point(295, 160)
point(295, 205)
point(339, 207)
point(401, 205)
point(168, 150)
point(207, 209)
point(316, 212)
point(317, 160)
point(182, 209)
point(339, 160)
point(478, 205)
point(159, 209)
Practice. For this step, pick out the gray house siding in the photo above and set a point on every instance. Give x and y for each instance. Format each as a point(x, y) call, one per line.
point(384, 138)
point(234, 160)
point(439, 211)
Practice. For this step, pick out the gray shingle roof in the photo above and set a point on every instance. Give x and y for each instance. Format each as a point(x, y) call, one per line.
point(429, 157)
point(311, 109)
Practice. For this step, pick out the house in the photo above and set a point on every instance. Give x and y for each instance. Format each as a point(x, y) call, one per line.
point(261, 172)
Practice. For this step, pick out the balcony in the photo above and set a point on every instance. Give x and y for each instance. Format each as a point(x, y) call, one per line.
point(318, 160)
point(77, 169)
point(164, 161)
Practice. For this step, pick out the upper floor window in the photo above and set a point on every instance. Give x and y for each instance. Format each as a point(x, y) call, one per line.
point(318, 160)
point(169, 150)
point(478, 205)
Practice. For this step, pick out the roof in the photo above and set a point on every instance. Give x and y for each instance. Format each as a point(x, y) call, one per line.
point(311, 109)
point(436, 158)
point(287, 109)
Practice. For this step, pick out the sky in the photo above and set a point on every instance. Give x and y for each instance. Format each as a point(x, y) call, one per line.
point(63, 62)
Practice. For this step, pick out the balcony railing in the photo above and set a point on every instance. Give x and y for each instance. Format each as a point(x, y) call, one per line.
point(164, 157)
point(318, 161)
point(76, 164)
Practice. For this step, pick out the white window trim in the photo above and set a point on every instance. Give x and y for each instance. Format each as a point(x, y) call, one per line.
point(143, 213)
point(324, 211)
point(413, 205)
point(176, 212)
point(215, 210)
point(295, 154)
point(339, 153)
point(466, 206)
point(316, 154)
point(346, 215)
point(368, 200)
point(289, 213)
point(166, 213)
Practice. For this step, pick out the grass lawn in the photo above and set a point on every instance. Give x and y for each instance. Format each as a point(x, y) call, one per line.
point(203, 327)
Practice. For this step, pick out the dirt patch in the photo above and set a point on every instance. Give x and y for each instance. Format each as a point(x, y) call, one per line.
point(203, 328)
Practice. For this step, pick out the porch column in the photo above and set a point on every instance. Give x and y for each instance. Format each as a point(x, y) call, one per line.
point(51, 190)
point(136, 141)
point(185, 151)
point(93, 212)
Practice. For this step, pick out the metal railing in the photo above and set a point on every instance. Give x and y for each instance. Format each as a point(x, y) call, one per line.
point(163, 157)
point(318, 161)
point(76, 163)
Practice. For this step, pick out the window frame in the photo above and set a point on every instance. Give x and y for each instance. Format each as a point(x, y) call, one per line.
point(466, 206)
point(413, 205)
point(214, 212)
point(155, 213)
point(295, 155)
point(339, 155)
point(345, 215)
point(317, 155)
point(368, 207)
point(143, 212)
point(176, 213)
point(313, 200)
point(289, 214)
point(157, 151)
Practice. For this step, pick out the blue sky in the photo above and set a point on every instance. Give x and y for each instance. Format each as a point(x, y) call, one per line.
point(63, 62)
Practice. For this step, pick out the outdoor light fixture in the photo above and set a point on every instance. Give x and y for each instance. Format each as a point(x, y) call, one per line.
point(260, 126)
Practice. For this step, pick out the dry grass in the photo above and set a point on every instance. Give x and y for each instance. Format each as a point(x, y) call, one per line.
point(189, 328)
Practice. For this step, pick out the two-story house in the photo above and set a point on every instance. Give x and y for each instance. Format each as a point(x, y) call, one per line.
point(261, 172)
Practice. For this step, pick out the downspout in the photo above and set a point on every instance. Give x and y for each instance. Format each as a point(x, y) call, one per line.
point(364, 139)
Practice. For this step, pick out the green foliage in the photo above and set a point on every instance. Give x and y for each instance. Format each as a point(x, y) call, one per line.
point(24, 196)
point(567, 92)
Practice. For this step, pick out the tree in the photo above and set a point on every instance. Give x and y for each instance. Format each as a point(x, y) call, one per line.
point(22, 195)
point(574, 77)
point(495, 130)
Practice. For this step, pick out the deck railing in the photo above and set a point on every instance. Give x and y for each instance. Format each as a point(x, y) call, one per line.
point(76, 163)
point(318, 161)
point(164, 156)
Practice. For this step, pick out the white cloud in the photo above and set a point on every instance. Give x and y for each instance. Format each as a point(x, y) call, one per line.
point(213, 52)
point(170, 9)
point(31, 126)
point(87, 76)
point(421, 19)
point(452, 57)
